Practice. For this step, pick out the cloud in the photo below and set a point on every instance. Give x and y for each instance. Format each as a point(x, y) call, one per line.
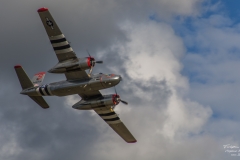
point(212, 68)
point(162, 114)
point(214, 78)
point(168, 114)
point(154, 53)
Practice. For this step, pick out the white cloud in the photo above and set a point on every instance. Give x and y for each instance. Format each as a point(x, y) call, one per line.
point(167, 123)
point(213, 69)
point(215, 79)
point(155, 52)
point(152, 55)
point(185, 7)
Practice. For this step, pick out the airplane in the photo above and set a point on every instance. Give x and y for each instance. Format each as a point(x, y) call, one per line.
point(77, 81)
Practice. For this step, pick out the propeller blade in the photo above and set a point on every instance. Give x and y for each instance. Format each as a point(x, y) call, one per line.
point(115, 89)
point(88, 53)
point(124, 102)
point(98, 61)
point(90, 71)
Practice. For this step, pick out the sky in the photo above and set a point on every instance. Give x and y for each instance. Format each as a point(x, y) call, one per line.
point(179, 61)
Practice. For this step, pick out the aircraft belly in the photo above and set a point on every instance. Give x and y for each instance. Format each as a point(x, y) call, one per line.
point(65, 88)
point(66, 91)
point(106, 84)
point(43, 90)
point(96, 86)
point(70, 88)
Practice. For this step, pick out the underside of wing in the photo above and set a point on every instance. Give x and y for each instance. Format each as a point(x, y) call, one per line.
point(61, 46)
point(90, 94)
point(112, 119)
point(59, 43)
point(76, 75)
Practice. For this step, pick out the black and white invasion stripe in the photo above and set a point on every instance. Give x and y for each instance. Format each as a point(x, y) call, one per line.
point(44, 90)
point(109, 116)
point(60, 44)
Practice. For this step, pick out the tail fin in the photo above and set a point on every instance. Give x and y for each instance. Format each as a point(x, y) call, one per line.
point(38, 78)
point(27, 83)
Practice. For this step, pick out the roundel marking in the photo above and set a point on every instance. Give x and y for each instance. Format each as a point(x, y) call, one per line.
point(49, 23)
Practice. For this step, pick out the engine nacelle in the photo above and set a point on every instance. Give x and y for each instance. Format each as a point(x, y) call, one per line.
point(106, 100)
point(75, 64)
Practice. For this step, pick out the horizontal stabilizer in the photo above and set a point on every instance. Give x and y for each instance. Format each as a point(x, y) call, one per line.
point(23, 78)
point(40, 101)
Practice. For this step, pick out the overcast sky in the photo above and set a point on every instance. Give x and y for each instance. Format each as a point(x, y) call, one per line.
point(180, 66)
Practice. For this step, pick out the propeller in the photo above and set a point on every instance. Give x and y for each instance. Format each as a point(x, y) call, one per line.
point(124, 102)
point(93, 58)
point(92, 61)
point(118, 99)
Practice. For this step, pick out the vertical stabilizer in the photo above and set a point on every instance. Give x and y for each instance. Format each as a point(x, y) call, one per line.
point(38, 78)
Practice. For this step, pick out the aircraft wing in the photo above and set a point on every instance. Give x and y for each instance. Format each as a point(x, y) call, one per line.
point(112, 119)
point(59, 43)
point(76, 75)
point(90, 94)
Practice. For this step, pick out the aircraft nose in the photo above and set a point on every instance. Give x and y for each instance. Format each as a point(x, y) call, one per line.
point(116, 79)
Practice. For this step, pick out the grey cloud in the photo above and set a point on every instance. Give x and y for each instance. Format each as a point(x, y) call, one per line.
point(61, 132)
point(45, 133)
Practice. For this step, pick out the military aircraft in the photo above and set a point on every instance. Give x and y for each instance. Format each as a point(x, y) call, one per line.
point(77, 81)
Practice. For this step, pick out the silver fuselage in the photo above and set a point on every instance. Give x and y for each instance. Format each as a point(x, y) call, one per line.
point(64, 88)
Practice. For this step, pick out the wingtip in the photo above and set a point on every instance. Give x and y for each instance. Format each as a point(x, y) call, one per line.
point(133, 141)
point(43, 9)
point(18, 66)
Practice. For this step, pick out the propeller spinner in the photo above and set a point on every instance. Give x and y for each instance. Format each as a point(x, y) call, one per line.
point(92, 63)
point(117, 99)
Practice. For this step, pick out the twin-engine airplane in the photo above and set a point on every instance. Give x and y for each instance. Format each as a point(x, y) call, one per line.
point(87, 86)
